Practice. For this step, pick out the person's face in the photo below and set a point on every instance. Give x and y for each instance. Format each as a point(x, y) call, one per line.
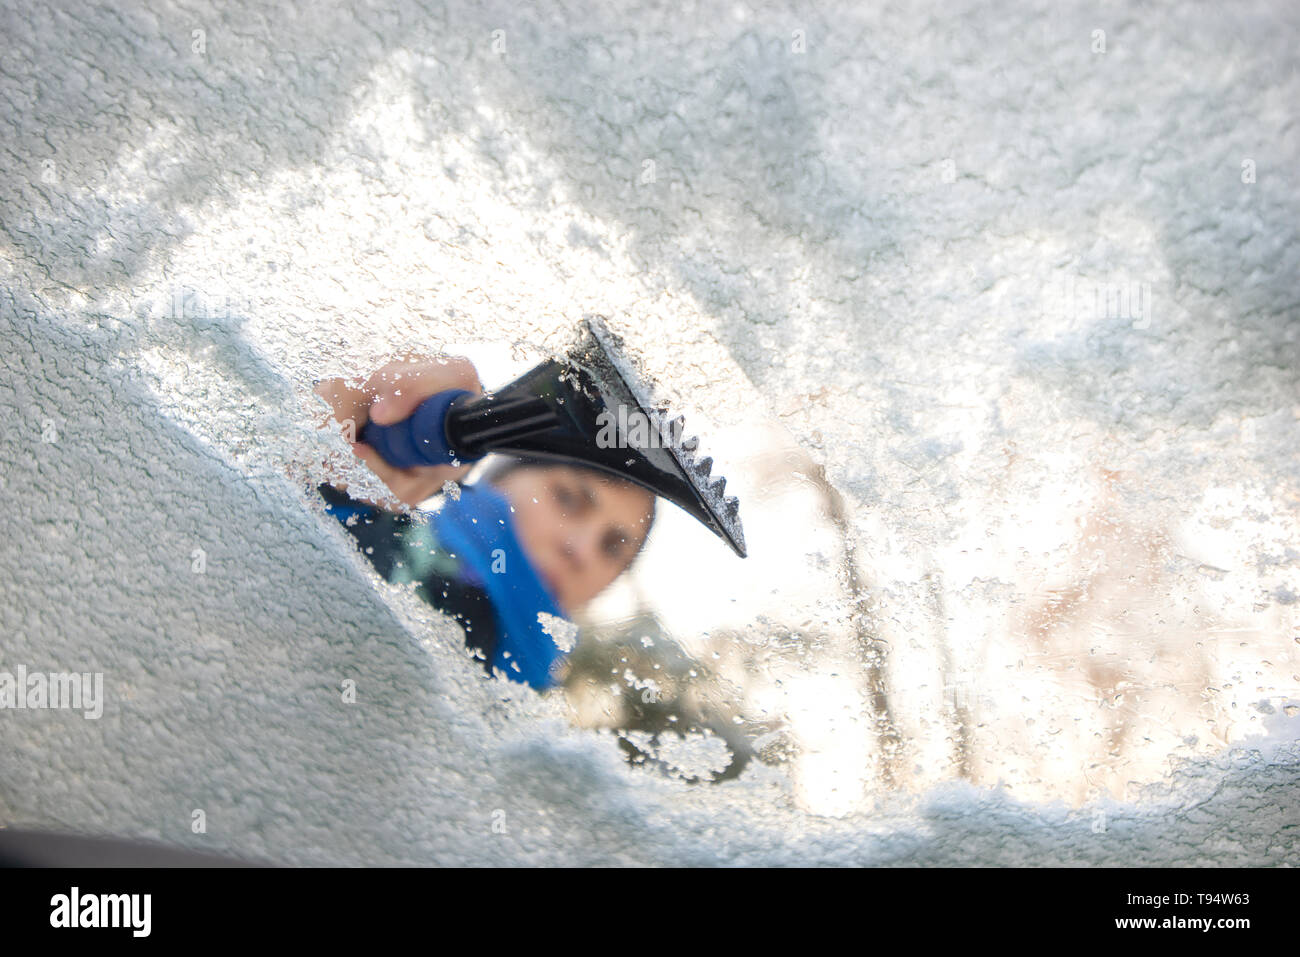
point(579, 529)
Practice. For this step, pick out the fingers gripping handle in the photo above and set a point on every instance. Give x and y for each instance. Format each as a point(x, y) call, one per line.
point(420, 439)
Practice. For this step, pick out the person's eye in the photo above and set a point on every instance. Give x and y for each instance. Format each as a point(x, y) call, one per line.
point(615, 544)
point(565, 497)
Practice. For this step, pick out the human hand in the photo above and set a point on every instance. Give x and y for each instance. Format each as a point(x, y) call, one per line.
point(390, 395)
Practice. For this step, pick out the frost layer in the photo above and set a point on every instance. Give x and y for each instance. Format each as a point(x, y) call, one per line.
point(906, 238)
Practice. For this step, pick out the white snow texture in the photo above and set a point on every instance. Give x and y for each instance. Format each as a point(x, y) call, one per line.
point(864, 214)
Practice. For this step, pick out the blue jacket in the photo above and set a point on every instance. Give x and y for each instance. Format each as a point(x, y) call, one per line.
point(465, 558)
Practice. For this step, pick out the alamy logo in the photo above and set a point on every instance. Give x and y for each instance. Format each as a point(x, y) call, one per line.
point(102, 910)
point(20, 690)
point(635, 430)
point(189, 303)
point(1084, 299)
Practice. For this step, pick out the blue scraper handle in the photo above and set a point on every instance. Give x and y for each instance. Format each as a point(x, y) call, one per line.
point(418, 440)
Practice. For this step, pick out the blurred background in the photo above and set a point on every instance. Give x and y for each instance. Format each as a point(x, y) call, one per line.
point(988, 317)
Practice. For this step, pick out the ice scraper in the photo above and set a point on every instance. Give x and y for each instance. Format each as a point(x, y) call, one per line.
point(589, 409)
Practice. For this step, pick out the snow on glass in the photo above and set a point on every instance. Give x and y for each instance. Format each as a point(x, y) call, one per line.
point(1039, 543)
